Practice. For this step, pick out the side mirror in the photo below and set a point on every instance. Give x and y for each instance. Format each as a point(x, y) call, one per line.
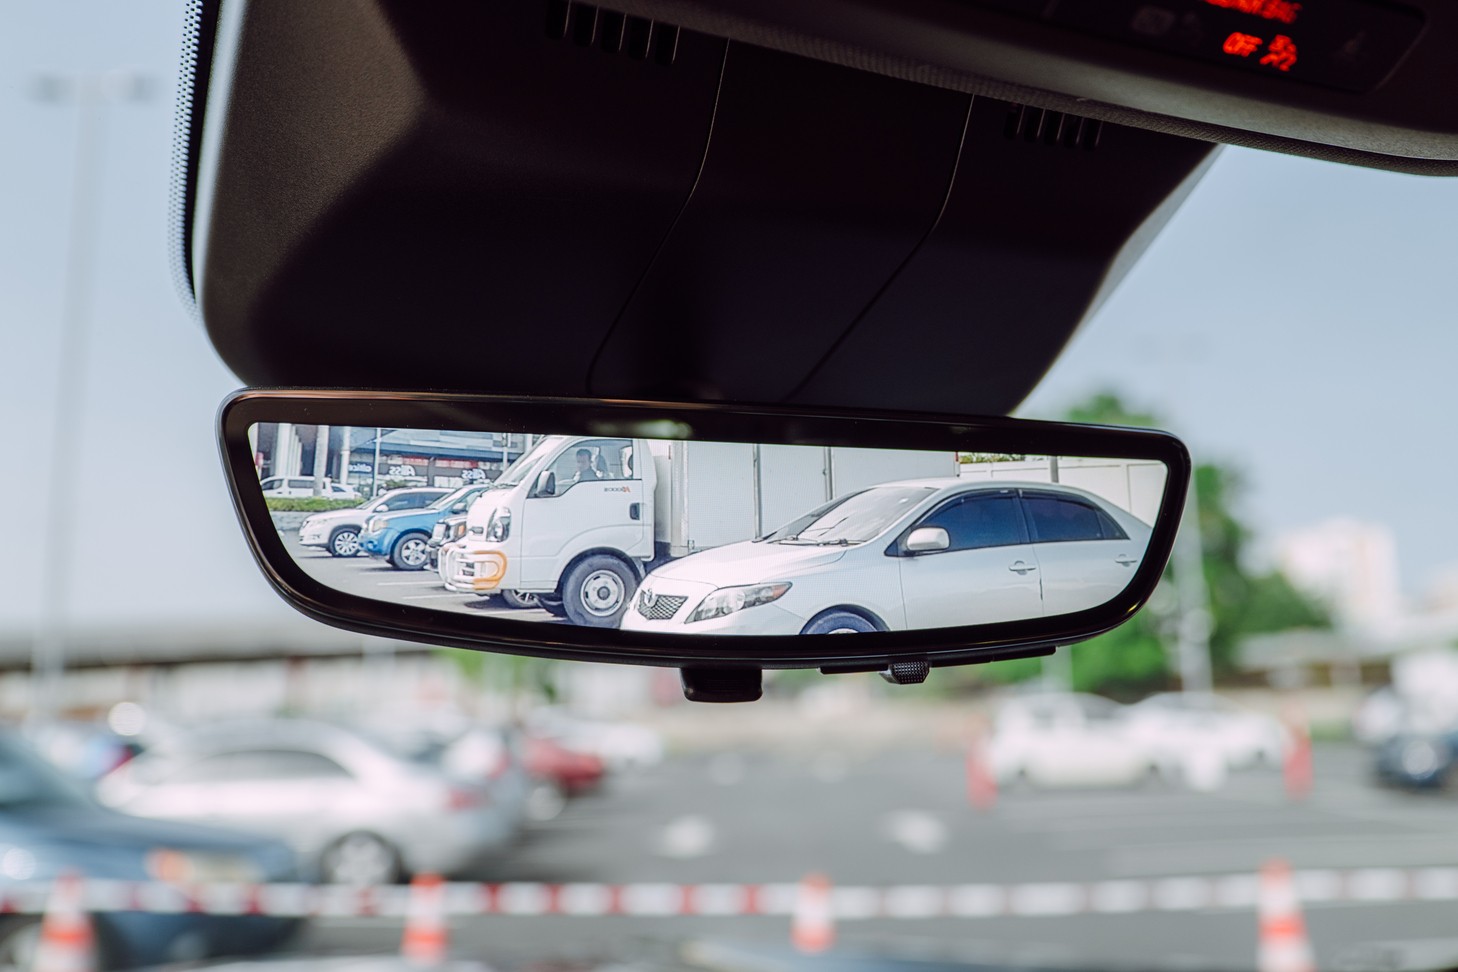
point(927, 539)
point(547, 483)
point(383, 508)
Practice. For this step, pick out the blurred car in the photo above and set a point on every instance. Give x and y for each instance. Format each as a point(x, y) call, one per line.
point(402, 536)
point(620, 745)
point(906, 554)
point(489, 756)
point(49, 826)
point(354, 811)
point(558, 774)
point(84, 751)
point(448, 529)
point(303, 486)
point(338, 531)
point(1178, 725)
point(1417, 760)
point(1057, 739)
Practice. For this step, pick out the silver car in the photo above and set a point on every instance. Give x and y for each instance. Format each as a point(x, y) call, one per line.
point(354, 811)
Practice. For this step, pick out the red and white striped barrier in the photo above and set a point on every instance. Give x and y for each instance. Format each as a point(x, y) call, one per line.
point(847, 902)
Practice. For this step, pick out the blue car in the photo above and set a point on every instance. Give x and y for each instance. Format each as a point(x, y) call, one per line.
point(403, 537)
point(1418, 760)
point(50, 826)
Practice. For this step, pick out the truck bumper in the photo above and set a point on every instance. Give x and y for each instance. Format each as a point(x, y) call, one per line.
point(475, 569)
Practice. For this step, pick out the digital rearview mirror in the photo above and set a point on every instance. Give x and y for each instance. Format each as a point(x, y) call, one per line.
point(705, 537)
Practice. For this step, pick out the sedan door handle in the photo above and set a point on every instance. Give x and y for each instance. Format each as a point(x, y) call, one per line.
point(1021, 566)
point(1126, 560)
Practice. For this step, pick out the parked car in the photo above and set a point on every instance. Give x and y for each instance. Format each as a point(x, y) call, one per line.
point(50, 826)
point(620, 745)
point(84, 751)
point(905, 555)
point(355, 812)
point(302, 486)
point(1417, 760)
point(447, 529)
point(1058, 739)
point(338, 531)
point(1177, 725)
point(402, 536)
point(559, 773)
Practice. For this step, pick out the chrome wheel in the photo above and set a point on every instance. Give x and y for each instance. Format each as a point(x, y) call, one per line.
point(360, 860)
point(345, 543)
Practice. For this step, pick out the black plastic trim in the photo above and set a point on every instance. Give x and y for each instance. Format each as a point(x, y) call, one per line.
point(713, 422)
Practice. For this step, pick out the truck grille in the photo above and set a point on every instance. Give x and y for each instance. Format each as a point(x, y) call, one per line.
point(662, 608)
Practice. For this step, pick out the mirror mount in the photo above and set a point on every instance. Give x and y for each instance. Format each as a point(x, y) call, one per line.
point(907, 671)
point(712, 683)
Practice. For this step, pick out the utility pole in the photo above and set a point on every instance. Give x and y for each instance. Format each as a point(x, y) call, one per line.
point(89, 93)
point(321, 458)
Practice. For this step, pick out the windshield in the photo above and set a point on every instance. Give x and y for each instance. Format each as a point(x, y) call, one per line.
point(1291, 321)
point(526, 468)
point(450, 499)
point(855, 519)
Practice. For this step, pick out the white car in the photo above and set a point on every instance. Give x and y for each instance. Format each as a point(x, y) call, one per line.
point(1060, 739)
point(1181, 726)
point(930, 553)
point(338, 531)
point(303, 486)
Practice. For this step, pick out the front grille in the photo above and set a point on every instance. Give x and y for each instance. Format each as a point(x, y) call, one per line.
point(662, 608)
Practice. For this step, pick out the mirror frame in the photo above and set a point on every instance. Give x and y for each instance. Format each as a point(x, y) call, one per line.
point(720, 422)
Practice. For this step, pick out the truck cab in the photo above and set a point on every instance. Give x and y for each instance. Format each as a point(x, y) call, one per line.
point(571, 521)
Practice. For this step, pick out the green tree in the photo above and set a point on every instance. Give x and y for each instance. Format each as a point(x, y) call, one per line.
point(1136, 657)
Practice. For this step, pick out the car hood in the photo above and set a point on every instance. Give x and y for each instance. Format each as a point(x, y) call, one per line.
point(747, 563)
point(350, 514)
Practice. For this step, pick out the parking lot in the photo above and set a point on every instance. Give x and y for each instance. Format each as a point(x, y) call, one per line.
point(375, 578)
point(901, 818)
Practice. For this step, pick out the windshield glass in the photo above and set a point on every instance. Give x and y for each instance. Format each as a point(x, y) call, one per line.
point(449, 499)
point(1291, 321)
point(526, 468)
point(857, 519)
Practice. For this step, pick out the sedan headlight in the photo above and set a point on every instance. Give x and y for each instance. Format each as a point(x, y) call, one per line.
point(727, 600)
point(498, 528)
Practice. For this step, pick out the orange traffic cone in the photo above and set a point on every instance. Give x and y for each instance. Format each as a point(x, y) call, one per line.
point(1283, 945)
point(67, 940)
point(1297, 771)
point(981, 783)
point(812, 927)
point(425, 940)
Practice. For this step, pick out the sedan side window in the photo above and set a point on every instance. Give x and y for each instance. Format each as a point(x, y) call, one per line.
point(1058, 519)
point(974, 522)
point(284, 764)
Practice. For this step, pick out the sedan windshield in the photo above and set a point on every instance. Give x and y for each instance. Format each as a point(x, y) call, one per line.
point(857, 519)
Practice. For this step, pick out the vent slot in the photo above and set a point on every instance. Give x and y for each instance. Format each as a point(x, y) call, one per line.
point(612, 32)
point(1038, 125)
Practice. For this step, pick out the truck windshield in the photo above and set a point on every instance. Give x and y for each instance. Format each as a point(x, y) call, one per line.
point(526, 467)
point(858, 518)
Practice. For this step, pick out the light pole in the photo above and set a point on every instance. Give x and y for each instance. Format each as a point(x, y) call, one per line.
point(90, 93)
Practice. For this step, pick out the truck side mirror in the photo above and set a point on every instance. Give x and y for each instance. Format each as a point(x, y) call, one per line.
point(547, 483)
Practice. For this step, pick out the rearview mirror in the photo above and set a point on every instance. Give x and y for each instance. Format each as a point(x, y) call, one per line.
point(717, 538)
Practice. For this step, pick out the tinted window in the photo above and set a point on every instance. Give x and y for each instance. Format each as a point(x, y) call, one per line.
point(974, 522)
point(301, 484)
point(1057, 519)
point(259, 764)
point(413, 501)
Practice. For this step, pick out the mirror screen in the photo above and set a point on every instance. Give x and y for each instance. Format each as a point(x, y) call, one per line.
point(695, 537)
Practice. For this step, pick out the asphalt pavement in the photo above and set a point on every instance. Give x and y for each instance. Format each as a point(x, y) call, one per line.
point(902, 818)
point(375, 577)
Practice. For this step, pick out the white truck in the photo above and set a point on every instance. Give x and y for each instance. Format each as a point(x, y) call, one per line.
point(580, 520)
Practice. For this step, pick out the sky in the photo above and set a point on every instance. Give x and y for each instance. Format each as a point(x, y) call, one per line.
point(1294, 320)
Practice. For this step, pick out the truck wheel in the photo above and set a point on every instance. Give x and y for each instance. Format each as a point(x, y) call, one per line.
point(344, 542)
point(838, 622)
point(517, 599)
point(596, 592)
point(410, 552)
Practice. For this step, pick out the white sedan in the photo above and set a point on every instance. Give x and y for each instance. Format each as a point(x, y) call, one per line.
point(1185, 726)
point(1059, 739)
point(930, 553)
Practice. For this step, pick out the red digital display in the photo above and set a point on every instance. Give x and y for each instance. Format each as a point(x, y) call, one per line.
point(1280, 54)
point(1281, 11)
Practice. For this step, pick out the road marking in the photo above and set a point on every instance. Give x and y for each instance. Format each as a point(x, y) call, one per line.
point(410, 583)
point(430, 597)
point(690, 836)
point(917, 831)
